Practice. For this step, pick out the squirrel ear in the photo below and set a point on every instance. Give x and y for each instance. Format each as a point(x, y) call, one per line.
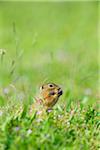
point(41, 88)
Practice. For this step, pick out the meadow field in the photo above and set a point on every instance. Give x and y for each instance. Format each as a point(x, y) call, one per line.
point(43, 42)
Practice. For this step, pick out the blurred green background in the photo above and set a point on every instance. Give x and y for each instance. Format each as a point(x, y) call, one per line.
point(50, 42)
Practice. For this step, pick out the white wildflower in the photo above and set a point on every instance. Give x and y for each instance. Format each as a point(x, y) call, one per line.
point(6, 90)
point(29, 131)
point(59, 116)
point(39, 120)
point(68, 123)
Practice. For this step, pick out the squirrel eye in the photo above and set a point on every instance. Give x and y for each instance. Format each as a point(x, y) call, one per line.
point(50, 85)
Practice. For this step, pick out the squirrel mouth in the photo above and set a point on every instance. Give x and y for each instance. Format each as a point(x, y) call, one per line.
point(60, 92)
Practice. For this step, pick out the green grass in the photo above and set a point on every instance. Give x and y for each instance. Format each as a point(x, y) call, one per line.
point(49, 42)
point(77, 128)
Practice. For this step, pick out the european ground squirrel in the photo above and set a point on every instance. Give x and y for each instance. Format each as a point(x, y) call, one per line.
point(48, 97)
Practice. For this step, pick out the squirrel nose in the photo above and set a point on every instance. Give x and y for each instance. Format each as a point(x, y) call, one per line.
point(60, 92)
